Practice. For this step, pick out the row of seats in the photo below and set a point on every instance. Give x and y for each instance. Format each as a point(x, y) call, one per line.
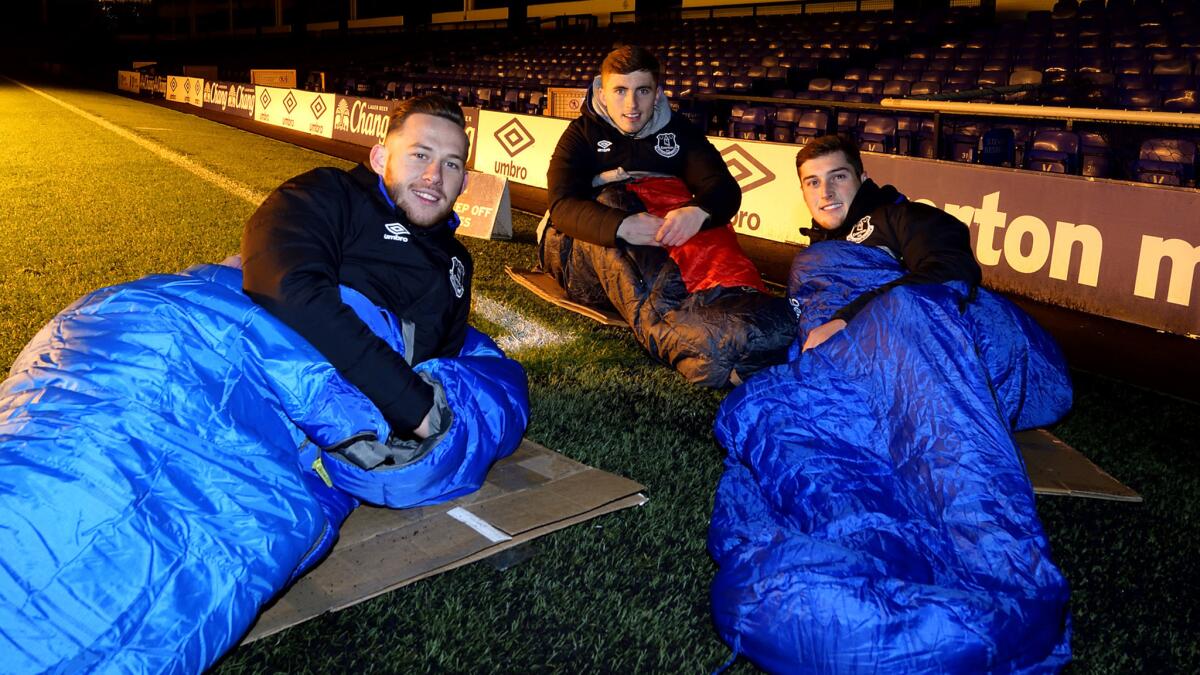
point(1163, 161)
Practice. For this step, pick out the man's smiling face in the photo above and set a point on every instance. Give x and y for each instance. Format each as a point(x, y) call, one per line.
point(629, 99)
point(423, 164)
point(829, 183)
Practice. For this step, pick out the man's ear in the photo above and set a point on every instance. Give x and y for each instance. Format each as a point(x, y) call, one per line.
point(863, 176)
point(466, 177)
point(379, 156)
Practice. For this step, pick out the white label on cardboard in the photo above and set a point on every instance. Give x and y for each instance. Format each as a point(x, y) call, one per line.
point(483, 527)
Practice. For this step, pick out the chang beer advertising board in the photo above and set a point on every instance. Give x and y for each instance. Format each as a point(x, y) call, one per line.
point(129, 81)
point(517, 147)
point(362, 121)
point(231, 98)
point(772, 205)
point(304, 111)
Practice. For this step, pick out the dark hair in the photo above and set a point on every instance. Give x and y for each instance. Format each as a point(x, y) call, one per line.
point(825, 145)
point(630, 59)
point(428, 104)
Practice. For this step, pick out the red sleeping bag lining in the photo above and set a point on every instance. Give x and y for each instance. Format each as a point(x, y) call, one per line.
point(712, 257)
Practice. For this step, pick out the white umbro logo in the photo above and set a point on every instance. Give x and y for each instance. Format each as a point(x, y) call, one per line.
point(396, 232)
point(603, 146)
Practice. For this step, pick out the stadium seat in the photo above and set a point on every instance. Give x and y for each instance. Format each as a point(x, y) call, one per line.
point(751, 125)
point(1166, 161)
point(997, 147)
point(962, 141)
point(1032, 78)
point(878, 134)
point(1053, 151)
point(1183, 100)
point(925, 89)
point(1140, 99)
point(810, 125)
point(783, 127)
point(1095, 155)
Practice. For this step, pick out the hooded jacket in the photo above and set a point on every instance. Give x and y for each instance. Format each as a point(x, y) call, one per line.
point(329, 227)
point(933, 246)
point(669, 145)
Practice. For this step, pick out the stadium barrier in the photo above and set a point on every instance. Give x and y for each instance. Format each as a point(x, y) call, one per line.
point(231, 98)
point(129, 81)
point(1127, 251)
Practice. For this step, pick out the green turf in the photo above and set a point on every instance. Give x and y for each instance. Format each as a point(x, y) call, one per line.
point(623, 593)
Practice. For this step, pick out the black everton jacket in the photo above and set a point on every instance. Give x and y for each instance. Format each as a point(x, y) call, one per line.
point(932, 245)
point(668, 145)
point(329, 227)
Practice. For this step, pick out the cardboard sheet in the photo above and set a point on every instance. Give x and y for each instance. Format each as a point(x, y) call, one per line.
point(545, 287)
point(530, 493)
point(1054, 467)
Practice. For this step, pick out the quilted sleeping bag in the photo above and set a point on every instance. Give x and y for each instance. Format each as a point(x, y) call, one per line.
point(162, 472)
point(700, 308)
point(875, 514)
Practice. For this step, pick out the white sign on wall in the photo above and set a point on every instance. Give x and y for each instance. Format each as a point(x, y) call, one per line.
point(517, 147)
point(305, 111)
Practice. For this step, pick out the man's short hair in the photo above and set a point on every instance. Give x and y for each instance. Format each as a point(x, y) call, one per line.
point(825, 145)
point(429, 104)
point(630, 59)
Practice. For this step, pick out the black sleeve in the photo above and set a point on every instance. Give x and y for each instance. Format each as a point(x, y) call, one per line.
point(935, 247)
point(291, 252)
point(712, 185)
point(573, 210)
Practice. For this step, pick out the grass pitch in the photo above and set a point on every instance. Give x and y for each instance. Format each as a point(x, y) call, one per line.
point(84, 207)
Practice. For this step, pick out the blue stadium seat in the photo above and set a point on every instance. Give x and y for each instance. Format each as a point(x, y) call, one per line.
point(997, 147)
point(878, 134)
point(1095, 155)
point(1166, 161)
point(1053, 151)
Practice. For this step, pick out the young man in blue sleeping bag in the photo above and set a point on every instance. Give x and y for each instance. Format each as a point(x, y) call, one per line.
point(174, 453)
point(846, 205)
point(875, 514)
point(386, 231)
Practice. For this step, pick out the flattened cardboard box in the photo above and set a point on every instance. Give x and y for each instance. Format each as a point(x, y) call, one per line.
point(1054, 467)
point(530, 493)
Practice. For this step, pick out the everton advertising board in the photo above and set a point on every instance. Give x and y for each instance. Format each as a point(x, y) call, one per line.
point(1127, 251)
point(231, 98)
point(362, 121)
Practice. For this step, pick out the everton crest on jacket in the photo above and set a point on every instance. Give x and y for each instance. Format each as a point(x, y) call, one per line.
point(669, 145)
point(330, 227)
point(931, 245)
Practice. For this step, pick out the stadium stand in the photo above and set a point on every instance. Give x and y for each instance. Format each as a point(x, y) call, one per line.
point(764, 77)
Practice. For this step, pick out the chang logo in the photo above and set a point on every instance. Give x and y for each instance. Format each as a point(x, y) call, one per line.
point(341, 116)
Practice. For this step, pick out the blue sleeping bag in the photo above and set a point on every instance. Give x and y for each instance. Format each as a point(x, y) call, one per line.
point(875, 514)
point(162, 474)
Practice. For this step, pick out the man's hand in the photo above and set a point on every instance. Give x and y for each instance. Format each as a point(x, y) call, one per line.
point(680, 225)
point(422, 431)
point(822, 333)
point(640, 229)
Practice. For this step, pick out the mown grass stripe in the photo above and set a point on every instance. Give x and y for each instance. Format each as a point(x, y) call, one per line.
point(250, 195)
